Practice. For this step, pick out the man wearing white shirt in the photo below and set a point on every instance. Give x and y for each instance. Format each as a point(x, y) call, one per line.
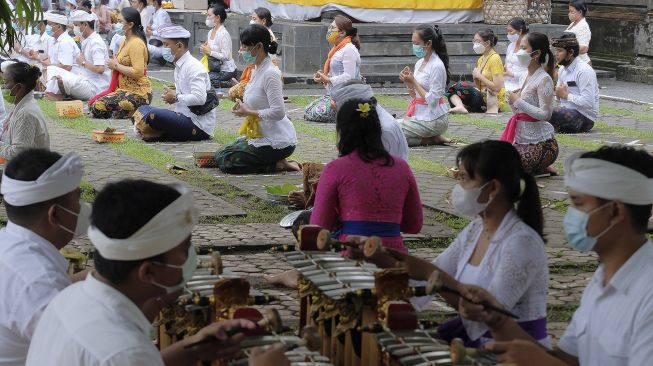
point(89, 76)
point(577, 89)
point(193, 90)
point(41, 195)
point(143, 258)
point(159, 18)
point(611, 194)
point(63, 51)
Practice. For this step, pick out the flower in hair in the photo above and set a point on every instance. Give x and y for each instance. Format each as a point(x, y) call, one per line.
point(365, 109)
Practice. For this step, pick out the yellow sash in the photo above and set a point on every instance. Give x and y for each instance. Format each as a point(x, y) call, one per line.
point(250, 128)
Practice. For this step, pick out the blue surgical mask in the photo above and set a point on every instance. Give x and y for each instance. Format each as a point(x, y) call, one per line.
point(118, 29)
point(575, 226)
point(49, 31)
point(248, 57)
point(16, 27)
point(77, 31)
point(67, 11)
point(36, 31)
point(187, 271)
point(419, 51)
point(167, 55)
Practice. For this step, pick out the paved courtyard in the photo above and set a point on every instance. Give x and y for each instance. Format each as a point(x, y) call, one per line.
point(239, 220)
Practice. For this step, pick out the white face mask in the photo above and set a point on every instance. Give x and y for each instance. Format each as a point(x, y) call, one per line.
point(479, 48)
point(209, 22)
point(83, 219)
point(513, 37)
point(466, 202)
point(524, 57)
point(252, 21)
point(187, 271)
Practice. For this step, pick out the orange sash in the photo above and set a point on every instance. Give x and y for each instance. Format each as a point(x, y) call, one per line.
point(335, 49)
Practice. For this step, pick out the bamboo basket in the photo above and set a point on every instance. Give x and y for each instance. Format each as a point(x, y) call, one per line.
point(501, 11)
point(204, 159)
point(538, 11)
point(70, 109)
point(108, 136)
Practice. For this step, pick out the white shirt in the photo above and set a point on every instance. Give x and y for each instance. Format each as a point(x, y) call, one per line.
point(192, 82)
point(614, 324)
point(345, 65)
point(147, 14)
point(46, 41)
point(220, 46)
point(392, 135)
point(512, 63)
point(32, 272)
point(583, 35)
point(514, 268)
point(29, 42)
point(264, 93)
point(433, 78)
point(536, 100)
point(115, 43)
point(584, 97)
point(64, 50)
point(159, 17)
point(96, 53)
point(89, 324)
point(113, 4)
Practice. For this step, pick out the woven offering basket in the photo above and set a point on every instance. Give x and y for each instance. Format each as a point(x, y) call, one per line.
point(108, 136)
point(501, 11)
point(70, 109)
point(204, 159)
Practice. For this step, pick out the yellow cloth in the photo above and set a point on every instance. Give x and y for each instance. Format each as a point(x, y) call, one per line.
point(396, 4)
point(205, 62)
point(493, 67)
point(250, 128)
point(133, 53)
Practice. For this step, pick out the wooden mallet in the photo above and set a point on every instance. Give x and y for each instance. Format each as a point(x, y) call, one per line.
point(310, 338)
point(436, 284)
point(271, 321)
point(325, 243)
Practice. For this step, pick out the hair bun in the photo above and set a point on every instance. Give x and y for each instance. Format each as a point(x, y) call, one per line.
point(353, 32)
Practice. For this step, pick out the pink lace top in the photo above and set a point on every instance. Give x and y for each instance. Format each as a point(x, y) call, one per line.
point(353, 190)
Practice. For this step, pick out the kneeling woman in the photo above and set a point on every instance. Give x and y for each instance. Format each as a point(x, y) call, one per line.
point(501, 250)
point(268, 136)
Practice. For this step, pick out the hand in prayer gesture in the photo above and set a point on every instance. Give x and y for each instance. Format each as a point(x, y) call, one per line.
point(520, 352)
point(224, 346)
point(477, 73)
point(406, 75)
point(80, 58)
point(240, 110)
point(112, 63)
point(205, 49)
point(561, 91)
point(46, 62)
point(513, 96)
point(148, 30)
point(320, 77)
point(169, 96)
point(271, 356)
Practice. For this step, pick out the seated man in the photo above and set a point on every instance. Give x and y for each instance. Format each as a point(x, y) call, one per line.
point(63, 50)
point(89, 76)
point(577, 89)
point(611, 193)
point(143, 259)
point(30, 42)
point(41, 195)
point(194, 99)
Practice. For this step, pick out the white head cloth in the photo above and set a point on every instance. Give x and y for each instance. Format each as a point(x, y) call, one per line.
point(354, 90)
point(607, 180)
point(171, 31)
point(166, 230)
point(81, 16)
point(56, 18)
point(74, 2)
point(5, 64)
point(62, 177)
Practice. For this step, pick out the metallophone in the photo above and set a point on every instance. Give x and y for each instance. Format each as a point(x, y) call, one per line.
point(362, 312)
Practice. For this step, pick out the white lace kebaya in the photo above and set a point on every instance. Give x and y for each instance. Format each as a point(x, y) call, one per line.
point(536, 100)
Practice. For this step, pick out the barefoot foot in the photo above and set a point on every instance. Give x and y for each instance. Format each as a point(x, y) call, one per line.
point(284, 165)
point(287, 279)
point(458, 110)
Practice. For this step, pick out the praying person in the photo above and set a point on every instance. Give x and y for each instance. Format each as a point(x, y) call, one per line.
point(611, 194)
point(159, 18)
point(143, 258)
point(89, 76)
point(577, 89)
point(222, 69)
point(63, 51)
point(517, 29)
point(193, 97)
point(42, 197)
point(580, 27)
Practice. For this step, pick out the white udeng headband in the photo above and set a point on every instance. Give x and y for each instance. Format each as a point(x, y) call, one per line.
point(607, 180)
point(163, 232)
point(62, 177)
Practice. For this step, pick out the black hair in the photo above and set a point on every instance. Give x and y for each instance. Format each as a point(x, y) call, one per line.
point(132, 15)
point(158, 2)
point(256, 33)
point(121, 209)
point(24, 73)
point(361, 133)
point(575, 47)
point(142, 2)
point(264, 13)
point(540, 42)
point(488, 36)
point(91, 23)
point(579, 5)
point(492, 159)
point(434, 34)
point(519, 24)
point(183, 41)
point(345, 24)
point(219, 11)
point(638, 160)
point(28, 166)
point(87, 4)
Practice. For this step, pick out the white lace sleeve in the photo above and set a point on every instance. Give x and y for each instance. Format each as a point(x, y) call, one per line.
point(22, 136)
point(274, 91)
point(544, 109)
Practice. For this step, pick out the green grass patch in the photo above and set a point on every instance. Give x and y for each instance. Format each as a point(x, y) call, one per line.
point(623, 131)
point(569, 267)
point(425, 165)
point(432, 243)
point(159, 85)
point(452, 221)
point(560, 206)
point(88, 193)
point(400, 103)
point(226, 104)
point(315, 131)
point(560, 313)
point(620, 112)
point(301, 100)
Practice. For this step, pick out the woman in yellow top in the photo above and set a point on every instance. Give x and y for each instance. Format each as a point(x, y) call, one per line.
point(130, 88)
point(487, 93)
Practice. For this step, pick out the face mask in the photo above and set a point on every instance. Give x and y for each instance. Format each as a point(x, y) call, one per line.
point(167, 55)
point(248, 57)
point(67, 11)
point(11, 98)
point(513, 38)
point(332, 36)
point(187, 271)
point(575, 225)
point(49, 31)
point(77, 31)
point(83, 219)
point(16, 27)
point(479, 48)
point(209, 22)
point(524, 57)
point(36, 31)
point(466, 202)
point(418, 51)
point(119, 29)
point(252, 21)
